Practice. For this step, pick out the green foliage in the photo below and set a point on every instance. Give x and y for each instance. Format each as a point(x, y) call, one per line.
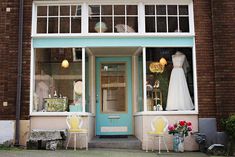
point(229, 126)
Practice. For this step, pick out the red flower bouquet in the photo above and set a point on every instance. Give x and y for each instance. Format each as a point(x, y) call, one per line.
point(182, 127)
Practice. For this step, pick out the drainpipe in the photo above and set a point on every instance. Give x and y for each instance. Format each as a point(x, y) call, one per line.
point(19, 75)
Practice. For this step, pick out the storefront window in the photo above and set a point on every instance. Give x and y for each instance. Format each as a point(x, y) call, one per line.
point(113, 18)
point(166, 18)
point(169, 79)
point(58, 80)
point(58, 19)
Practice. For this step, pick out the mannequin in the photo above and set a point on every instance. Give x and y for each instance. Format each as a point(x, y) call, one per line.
point(178, 94)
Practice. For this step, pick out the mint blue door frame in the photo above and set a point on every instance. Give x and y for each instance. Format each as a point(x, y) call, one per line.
point(122, 119)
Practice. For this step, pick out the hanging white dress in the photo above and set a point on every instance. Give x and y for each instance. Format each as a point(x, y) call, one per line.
point(178, 94)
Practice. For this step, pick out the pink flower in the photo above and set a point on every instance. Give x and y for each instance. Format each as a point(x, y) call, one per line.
point(189, 128)
point(171, 127)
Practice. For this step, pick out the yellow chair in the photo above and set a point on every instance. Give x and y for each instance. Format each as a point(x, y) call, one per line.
point(159, 126)
point(74, 123)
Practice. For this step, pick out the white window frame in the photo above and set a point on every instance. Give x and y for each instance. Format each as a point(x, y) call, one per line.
point(141, 18)
point(145, 112)
point(32, 87)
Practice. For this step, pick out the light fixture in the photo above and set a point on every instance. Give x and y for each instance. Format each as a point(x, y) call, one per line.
point(65, 63)
point(163, 61)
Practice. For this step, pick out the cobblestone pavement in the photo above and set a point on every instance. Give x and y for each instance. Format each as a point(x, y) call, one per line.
point(94, 153)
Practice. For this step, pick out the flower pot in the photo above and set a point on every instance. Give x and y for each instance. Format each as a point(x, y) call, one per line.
point(178, 143)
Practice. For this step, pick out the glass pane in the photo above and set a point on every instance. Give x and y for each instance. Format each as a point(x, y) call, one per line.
point(183, 10)
point(119, 10)
point(161, 24)
point(76, 10)
point(106, 10)
point(107, 24)
point(53, 25)
point(132, 24)
point(160, 63)
point(161, 9)
point(76, 25)
point(113, 87)
point(64, 10)
point(42, 11)
point(64, 25)
point(94, 24)
point(172, 24)
point(150, 24)
point(172, 9)
point(150, 10)
point(132, 10)
point(42, 25)
point(184, 24)
point(119, 23)
point(94, 10)
point(54, 84)
point(53, 10)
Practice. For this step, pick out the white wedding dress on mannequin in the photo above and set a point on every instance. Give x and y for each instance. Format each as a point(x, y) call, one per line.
point(178, 94)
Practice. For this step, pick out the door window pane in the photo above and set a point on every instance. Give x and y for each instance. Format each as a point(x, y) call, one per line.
point(113, 87)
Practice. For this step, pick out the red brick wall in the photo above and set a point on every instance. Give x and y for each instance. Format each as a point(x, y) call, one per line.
point(8, 58)
point(210, 94)
point(224, 52)
point(205, 58)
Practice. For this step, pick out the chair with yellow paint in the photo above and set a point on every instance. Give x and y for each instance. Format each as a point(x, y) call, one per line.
point(159, 126)
point(75, 123)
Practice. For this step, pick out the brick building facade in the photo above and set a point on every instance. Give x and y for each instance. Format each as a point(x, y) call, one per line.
point(214, 34)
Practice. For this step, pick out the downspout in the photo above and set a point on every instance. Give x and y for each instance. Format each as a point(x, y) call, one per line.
point(19, 75)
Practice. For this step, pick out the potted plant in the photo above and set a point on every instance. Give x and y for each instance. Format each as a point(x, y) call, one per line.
point(180, 130)
point(229, 127)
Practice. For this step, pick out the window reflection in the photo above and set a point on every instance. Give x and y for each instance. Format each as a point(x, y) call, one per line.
point(113, 87)
point(113, 18)
point(54, 84)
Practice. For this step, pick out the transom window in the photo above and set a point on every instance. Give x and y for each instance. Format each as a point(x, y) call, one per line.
point(113, 18)
point(166, 18)
point(59, 19)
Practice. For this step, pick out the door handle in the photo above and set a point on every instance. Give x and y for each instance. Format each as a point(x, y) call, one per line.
point(96, 99)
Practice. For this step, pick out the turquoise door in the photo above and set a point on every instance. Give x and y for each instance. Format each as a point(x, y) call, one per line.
point(113, 96)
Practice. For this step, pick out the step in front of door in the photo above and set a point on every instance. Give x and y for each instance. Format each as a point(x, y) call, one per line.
point(122, 142)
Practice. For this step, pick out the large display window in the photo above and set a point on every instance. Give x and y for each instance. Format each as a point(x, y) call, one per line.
point(169, 79)
point(58, 82)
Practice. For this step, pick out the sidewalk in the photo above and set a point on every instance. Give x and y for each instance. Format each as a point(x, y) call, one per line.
point(94, 153)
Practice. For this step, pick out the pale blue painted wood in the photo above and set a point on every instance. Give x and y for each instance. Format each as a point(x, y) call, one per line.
point(113, 42)
point(125, 118)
